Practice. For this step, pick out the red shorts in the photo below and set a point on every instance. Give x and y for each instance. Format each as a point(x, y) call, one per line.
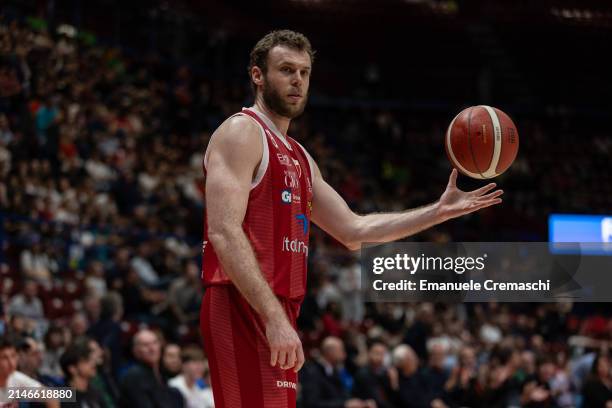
point(239, 355)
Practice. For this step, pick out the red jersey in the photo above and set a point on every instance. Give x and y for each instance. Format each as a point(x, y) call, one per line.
point(277, 218)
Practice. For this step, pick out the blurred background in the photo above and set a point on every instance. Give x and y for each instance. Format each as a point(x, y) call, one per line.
point(106, 108)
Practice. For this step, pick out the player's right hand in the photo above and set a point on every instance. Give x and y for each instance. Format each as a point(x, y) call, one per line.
point(285, 345)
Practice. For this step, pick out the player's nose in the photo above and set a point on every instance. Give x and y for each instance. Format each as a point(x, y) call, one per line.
point(297, 79)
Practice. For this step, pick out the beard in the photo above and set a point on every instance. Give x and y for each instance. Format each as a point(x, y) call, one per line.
point(277, 104)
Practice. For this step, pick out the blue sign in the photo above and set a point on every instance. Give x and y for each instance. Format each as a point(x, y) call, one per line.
point(592, 232)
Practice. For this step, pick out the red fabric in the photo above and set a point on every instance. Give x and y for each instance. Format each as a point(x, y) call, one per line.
point(239, 355)
point(331, 326)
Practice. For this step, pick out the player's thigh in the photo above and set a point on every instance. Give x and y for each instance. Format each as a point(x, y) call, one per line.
point(239, 356)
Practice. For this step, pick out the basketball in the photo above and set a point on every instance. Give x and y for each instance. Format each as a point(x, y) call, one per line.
point(481, 142)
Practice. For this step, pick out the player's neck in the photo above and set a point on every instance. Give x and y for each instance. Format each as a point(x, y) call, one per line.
point(281, 122)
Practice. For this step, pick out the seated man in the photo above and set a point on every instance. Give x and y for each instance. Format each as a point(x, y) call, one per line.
point(374, 381)
point(322, 385)
point(143, 386)
point(9, 376)
point(79, 364)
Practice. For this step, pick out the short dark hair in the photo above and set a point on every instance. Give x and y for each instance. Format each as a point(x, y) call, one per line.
point(51, 331)
point(287, 38)
point(24, 344)
point(192, 353)
point(83, 340)
point(374, 341)
point(9, 340)
point(75, 353)
point(545, 359)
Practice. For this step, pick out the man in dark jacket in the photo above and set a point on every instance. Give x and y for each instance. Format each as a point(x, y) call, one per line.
point(322, 385)
point(143, 386)
point(412, 389)
point(373, 382)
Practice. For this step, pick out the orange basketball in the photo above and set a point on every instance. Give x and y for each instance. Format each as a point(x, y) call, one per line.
point(481, 142)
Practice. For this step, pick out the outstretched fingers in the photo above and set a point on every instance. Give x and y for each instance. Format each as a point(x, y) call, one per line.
point(490, 196)
point(484, 190)
point(479, 204)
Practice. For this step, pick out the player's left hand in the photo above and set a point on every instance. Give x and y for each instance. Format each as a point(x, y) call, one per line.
point(455, 203)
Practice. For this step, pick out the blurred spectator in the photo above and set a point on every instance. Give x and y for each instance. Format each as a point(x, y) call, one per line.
point(30, 358)
point(504, 384)
point(528, 363)
point(536, 391)
point(411, 390)
point(349, 283)
point(560, 384)
point(373, 381)
point(597, 391)
point(92, 307)
point(141, 301)
point(462, 386)
point(79, 366)
point(94, 279)
point(119, 268)
point(9, 376)
point(28, 305)
point(142, 386)
point(190, 382)
point(581, 369)
point(104, 381)
point(328, 291)
point(21, 325)
point(55, 343)
point(107, 330)
point(185, 294)
point(6, 135)
point(435, 373)
point(332, 320)
point(170, 361)
point(143, 267)
point(36, 264)
point(417, 334)
point(322, 385)
point(78, 325)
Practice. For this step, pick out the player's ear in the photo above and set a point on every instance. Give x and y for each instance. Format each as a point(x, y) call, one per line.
point(257, 75)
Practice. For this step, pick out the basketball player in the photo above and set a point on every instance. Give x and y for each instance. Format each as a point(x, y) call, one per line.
point(262, 191)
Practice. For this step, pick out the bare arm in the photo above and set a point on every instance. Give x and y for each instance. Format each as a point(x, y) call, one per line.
point(234, 155)
point(332, 214)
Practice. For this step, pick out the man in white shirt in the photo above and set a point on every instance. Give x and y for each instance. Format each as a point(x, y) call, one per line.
point(190, 382)
point(10, 377)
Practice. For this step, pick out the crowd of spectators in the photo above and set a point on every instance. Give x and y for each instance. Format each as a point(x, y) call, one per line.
point(102, 200)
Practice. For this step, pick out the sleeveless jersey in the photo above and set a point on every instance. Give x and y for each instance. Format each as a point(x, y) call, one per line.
point(277, 218)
